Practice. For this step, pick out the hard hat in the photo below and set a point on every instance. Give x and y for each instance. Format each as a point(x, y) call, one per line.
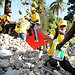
point(62, 22)
point(27, 17)
point(9, 11)
point(33, 9)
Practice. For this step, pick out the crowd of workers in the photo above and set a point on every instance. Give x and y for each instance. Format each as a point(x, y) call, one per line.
point(25, 26)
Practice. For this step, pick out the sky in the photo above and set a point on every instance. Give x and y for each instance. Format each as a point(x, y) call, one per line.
point(16, 6)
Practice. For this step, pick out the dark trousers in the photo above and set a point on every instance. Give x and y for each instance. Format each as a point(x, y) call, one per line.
point(7, 26)
point(65, 64)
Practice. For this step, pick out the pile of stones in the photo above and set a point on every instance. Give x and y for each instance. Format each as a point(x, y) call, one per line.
point(18, 58)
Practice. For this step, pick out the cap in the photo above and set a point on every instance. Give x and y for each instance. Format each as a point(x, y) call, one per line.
point(33, 9)
point(62, 22)
point(9, 11)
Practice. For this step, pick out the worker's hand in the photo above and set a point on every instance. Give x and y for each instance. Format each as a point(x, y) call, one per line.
point(49, 38)
point(45, 40)
point(58, 46)
point(34, 21)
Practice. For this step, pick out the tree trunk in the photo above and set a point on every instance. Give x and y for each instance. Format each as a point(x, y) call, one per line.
point(7, 5)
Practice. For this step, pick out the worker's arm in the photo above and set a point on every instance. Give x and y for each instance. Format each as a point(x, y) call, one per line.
point(50, 39)
point(68, 36)
point(9, 21)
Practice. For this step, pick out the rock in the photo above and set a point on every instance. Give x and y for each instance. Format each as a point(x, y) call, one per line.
point(5, 53)
point(55, 72)
point(36, 73)
point(28, 65)
point(4, 63)
point(12, 72)
point(48, 74)
point(24, 71)
point(1, 71)
point(32, 56)
point(31, 73)
point(72, 60)
point(33, 68)
point(18, 63)
point(40, 63)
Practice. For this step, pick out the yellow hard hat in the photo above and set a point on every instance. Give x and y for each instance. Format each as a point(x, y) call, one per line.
point(62, 22)
point(33, 9)
point(27, 17)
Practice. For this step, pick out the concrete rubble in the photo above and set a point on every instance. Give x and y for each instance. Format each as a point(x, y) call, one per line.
point(18, 58)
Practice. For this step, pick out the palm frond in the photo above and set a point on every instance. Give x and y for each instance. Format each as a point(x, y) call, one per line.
point(64, 3)
point(53, 4)
point(60, 5)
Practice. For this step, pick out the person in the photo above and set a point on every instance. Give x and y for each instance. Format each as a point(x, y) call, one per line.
point(68, 36)
point(27, 17)
point(22, 31)
point(36, 22)
point(62, 25)
point(0, 26)
point(6, 19)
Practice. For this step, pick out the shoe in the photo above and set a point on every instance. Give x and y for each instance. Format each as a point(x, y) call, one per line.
point(36, 40)
point(29, 35)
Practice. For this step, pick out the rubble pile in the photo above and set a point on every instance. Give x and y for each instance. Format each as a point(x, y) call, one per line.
point(71, 52)
point(18, 58)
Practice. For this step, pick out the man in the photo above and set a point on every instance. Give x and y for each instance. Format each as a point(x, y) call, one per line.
point(68, 36)
point(36, 22)
point(24, 26)
point(6, 21)
point(62, 25)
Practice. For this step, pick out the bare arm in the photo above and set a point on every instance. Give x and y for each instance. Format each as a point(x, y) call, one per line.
point(49, 38)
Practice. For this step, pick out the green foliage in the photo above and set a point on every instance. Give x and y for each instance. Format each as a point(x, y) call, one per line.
point(1, 4)
point(53, 22)
point(49, 22)
point(44, 21)
point(69, 17)
point(57, 5)
point(71, 10)
point(33, 5)
point(69, 25)
point(72, 1)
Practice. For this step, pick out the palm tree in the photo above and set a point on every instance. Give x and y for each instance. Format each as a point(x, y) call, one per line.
point(58, 5)
point(7, 5)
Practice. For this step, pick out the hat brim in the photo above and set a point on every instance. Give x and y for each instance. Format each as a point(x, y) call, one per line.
point(63, 24)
